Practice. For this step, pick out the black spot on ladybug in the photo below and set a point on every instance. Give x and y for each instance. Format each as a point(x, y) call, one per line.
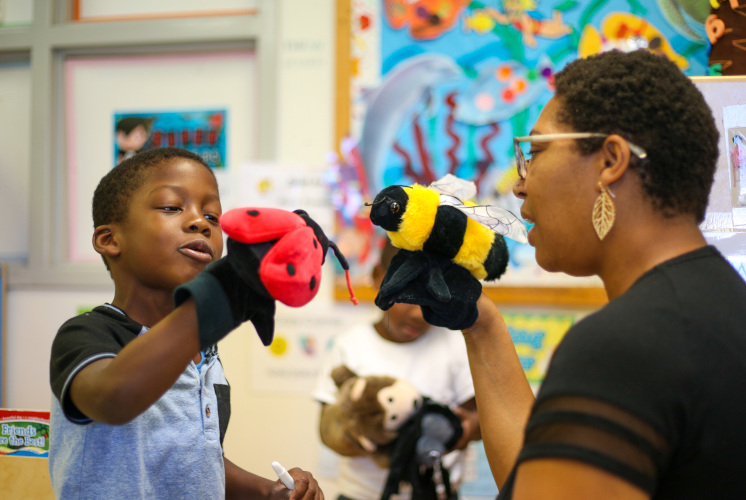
point(253, 213)
point(312, 283)
point(291, 269)
point(315, 243)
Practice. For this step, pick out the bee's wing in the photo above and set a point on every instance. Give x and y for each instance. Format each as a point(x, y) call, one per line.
point(498, 219)
point(449, 184)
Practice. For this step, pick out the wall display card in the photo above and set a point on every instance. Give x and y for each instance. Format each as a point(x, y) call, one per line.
point(109, 10)
point(101, 91)
point(24, 433)
point(200, 131)
point(292, 362)
point(279, 185)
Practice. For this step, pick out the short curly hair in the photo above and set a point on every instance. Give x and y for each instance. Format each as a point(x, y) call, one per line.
point(646, 99)
point(114, 190)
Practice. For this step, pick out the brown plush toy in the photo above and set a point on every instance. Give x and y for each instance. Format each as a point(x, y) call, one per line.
point(367, 415)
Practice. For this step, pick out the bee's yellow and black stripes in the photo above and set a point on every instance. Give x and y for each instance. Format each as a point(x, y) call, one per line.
point(416, 221)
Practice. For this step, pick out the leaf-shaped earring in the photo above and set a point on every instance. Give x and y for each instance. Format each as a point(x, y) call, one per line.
point(603, 212)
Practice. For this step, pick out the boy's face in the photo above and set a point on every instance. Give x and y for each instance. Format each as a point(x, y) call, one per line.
point(171, 231)
point(403, 323)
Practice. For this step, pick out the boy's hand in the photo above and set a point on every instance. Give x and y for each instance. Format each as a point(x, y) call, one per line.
point(224, 298)
point(306, 487)
point(470, 425)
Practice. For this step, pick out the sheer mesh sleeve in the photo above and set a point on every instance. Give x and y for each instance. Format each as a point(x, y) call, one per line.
point(599, 434)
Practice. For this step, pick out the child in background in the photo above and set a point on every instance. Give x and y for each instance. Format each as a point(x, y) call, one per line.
point(141, 401)
point(402, 345)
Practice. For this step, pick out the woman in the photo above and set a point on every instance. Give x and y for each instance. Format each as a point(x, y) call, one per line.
point(643, 398)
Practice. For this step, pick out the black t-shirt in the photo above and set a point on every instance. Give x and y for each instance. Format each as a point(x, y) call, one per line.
point(650, 388)
point(94, 335)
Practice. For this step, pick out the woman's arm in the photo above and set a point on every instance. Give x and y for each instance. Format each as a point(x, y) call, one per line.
point(503, 395)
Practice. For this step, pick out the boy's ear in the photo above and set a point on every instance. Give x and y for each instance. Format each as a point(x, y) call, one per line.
point(105, 241)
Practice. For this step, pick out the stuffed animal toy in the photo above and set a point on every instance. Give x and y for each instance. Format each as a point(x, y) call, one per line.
point(368, 413)
point(279, 254)
point(417, 451)
point(446, 244)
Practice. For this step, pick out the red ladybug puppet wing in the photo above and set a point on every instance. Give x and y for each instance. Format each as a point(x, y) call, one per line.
point(291, 270)
point(258, 225)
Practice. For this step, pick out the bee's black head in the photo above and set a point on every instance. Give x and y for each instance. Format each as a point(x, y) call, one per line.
point(388, 208)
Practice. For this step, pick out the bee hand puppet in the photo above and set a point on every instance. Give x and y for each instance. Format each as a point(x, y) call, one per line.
point(447, 244)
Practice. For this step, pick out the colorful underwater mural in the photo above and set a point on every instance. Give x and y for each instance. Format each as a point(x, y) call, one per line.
point(458, 79)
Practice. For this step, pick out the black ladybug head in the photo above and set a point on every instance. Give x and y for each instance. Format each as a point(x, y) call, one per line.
point(388, 208)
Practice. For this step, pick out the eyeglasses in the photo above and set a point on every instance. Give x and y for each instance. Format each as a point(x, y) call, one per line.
point(522, 162)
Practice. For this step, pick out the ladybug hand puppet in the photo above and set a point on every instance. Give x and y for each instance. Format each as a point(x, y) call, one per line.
point(279, 254)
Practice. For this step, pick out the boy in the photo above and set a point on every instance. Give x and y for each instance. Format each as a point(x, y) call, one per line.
point(400, 344)
point(141, 401)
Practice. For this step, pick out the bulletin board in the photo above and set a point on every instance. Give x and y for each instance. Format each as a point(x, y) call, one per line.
point(425, 91)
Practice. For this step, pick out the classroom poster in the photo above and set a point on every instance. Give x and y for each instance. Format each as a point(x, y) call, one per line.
point(200, 131)
point(292, 362)
point(443, 87)
point(535, 337)
point(24, 433)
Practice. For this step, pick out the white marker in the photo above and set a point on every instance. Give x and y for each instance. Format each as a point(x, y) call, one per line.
point(286, 478)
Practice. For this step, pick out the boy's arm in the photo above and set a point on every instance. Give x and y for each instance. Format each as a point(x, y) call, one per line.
point(503, 395)
point(242, 484)
point(116, 390)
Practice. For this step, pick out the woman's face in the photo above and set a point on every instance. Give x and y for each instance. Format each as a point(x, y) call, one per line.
point(558, 195)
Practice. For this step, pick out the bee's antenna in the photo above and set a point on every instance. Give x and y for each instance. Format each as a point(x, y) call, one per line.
point(346, 267)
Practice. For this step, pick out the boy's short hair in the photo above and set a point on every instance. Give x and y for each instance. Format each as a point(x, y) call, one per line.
point(112, 195)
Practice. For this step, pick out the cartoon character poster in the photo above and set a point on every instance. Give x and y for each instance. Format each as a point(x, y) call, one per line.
point(442, 86)
point(202, 132)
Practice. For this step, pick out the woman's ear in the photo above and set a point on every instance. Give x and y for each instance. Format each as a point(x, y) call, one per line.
point(616, 156)
point(105, 241)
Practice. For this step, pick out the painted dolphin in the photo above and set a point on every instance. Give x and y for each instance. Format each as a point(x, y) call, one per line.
point(401, 91)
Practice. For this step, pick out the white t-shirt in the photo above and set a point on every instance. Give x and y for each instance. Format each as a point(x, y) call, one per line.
point(436, 364)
